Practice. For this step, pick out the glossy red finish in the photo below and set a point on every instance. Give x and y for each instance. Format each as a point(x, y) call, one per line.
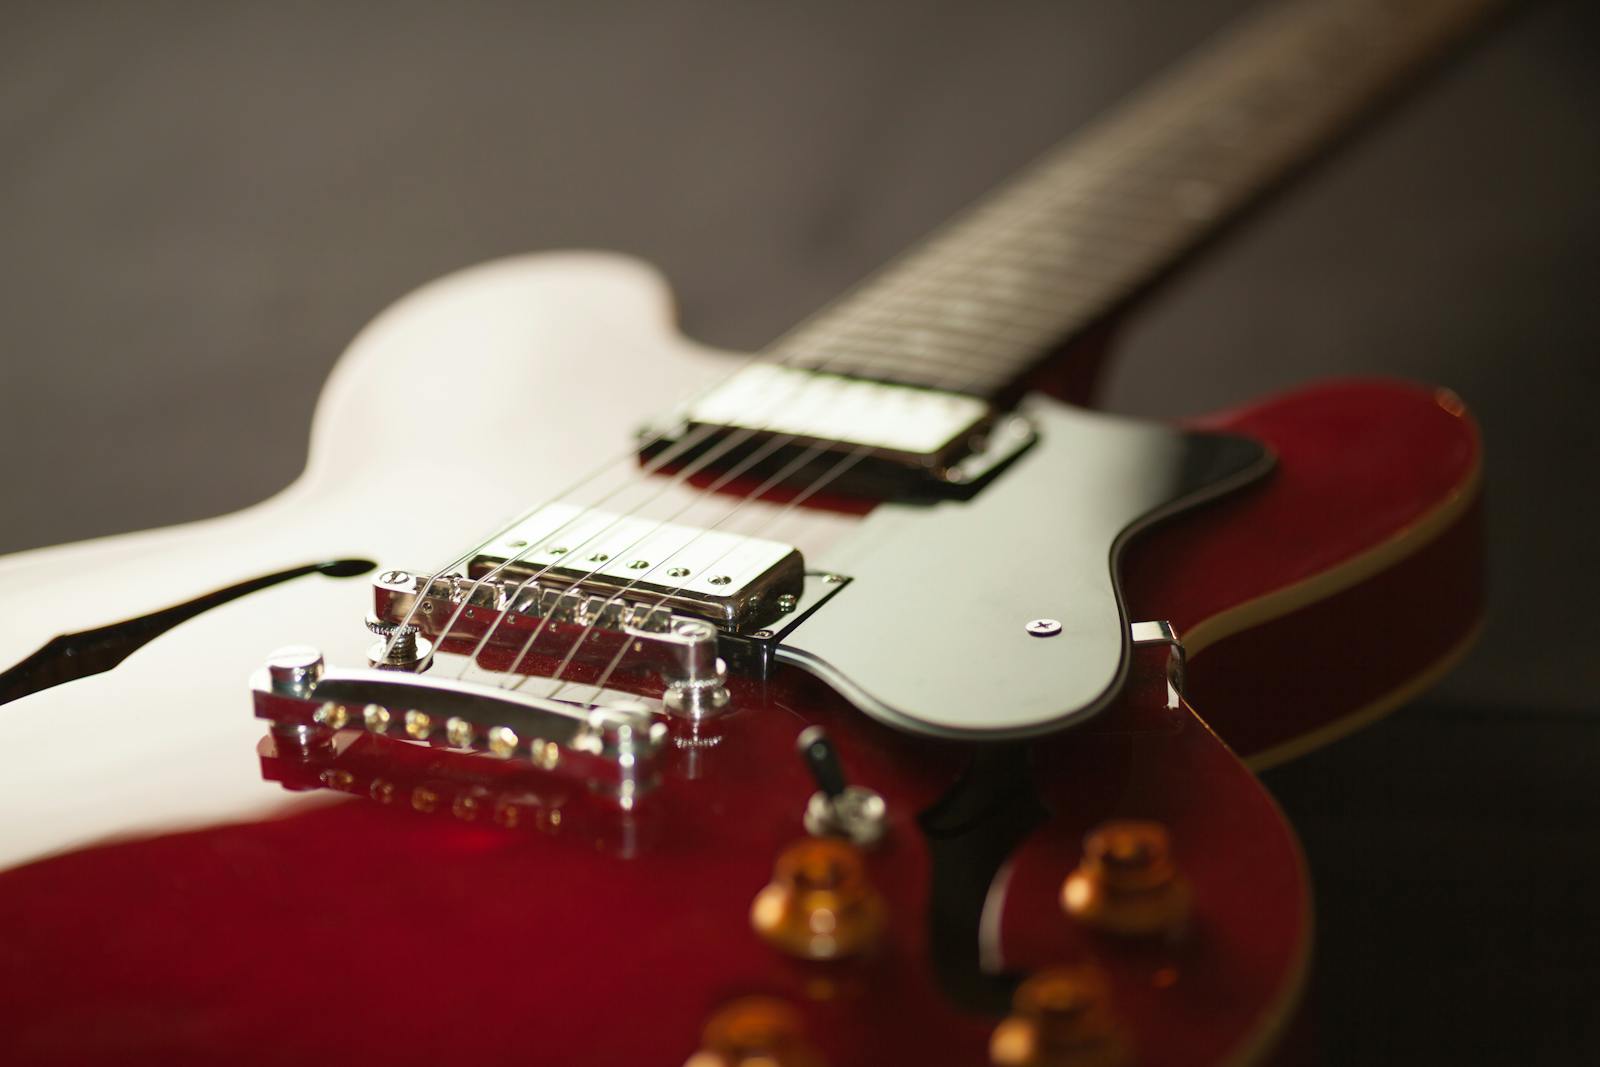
point(369, 932)
point(1238, 966)
point(365, 931)
point(1360, 465)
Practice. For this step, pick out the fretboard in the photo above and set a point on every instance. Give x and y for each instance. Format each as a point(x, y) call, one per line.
point(981, 301)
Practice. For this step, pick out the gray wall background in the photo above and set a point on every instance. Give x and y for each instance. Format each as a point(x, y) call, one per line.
point(200, 203)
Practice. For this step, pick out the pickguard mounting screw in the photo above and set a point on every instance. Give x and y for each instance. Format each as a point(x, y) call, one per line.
point(1044, 627)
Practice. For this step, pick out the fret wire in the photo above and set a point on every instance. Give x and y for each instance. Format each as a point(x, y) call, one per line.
point(1129, 191)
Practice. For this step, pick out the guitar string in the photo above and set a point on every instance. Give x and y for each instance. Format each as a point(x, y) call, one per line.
point(995, 239)
point(1050, 199)
point(839, 469)
point(1209, 180)
point(512, 598)
point(1184, 173)
point(679, 477)
point(828, 477)
point(627, 456)
point(995, 242)
point(676, 450)
point(776, 479)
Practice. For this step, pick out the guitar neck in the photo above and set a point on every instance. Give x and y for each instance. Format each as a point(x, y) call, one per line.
point(983, 300)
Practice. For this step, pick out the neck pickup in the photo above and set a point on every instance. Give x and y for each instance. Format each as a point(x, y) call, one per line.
point(828, 432)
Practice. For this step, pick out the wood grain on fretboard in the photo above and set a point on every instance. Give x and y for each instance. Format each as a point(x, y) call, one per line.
point(980, 302)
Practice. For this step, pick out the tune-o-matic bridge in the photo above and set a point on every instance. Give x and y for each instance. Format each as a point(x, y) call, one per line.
point(856, 434)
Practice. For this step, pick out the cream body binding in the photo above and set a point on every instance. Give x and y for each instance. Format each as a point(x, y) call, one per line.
point(479, 395)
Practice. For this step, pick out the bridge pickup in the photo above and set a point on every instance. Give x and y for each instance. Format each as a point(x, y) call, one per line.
point(898, 439)
point(616, 572)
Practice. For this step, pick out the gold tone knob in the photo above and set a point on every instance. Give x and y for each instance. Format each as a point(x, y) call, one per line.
point(755, 1032)
point(819, 905)
point(1059, 1018)
point(1127, 882)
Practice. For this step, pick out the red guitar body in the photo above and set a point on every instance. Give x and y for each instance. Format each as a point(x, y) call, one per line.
point(1118, 892)
point(436, 921)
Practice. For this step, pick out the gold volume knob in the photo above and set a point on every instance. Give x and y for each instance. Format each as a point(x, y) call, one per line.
point(1127, 882)
point(755, 1032)
point(819, 905)
point(1059, 1018)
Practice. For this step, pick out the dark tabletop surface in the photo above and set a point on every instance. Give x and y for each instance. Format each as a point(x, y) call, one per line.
point(201, 203)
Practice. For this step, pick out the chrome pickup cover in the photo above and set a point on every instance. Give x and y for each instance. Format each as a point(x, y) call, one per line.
point(740, 583)
point(914, 426)
point(900, 440)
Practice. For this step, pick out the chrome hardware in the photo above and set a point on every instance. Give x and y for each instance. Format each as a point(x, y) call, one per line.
point(614, 748)
point(400, 647)
point(852, 812)
point(294, 670)
point(698, 690)
point(909, 437)
point(858, 814)
point(1044, 627)
point(736, 582)
point(910, 425)
point(889, 642)
point(1163, 633)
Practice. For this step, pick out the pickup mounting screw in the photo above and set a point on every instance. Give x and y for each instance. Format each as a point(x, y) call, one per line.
point(638, 564)
point(394, 577)
point(720, 579)
point(678, 572)
point(1044, 627)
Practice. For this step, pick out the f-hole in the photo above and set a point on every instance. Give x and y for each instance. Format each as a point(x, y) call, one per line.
point(68, 657)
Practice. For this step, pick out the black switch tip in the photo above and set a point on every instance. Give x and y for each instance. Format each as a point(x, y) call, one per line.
point(822, 759)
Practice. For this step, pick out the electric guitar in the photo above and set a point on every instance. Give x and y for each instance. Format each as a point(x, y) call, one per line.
point(598, 698)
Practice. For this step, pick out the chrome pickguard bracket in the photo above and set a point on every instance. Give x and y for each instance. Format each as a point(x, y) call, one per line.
point(1162, 632)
